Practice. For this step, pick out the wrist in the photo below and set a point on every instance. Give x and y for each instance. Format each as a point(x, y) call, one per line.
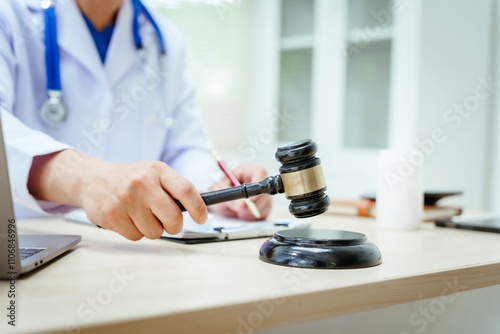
point(61, 177)
point(86, 176)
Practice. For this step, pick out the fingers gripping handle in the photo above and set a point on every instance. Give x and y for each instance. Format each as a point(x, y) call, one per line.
point(220, 196)
point(271, 185)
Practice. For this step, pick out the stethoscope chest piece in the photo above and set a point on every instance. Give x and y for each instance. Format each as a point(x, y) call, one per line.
point(53, 112)
point(320, 249)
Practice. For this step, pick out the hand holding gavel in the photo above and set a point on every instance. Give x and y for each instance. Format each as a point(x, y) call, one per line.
point(301, 179)
point(140, 198)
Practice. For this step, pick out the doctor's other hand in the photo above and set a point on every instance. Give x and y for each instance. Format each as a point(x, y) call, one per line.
point(245, 173)
point(132, 199)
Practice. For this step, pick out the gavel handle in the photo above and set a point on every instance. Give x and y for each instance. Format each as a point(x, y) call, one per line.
point(271, 185)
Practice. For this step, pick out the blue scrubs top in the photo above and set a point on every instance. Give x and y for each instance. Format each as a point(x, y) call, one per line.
point(101, 38)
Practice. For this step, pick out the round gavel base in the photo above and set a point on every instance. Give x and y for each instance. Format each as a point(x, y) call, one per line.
point(322, 249)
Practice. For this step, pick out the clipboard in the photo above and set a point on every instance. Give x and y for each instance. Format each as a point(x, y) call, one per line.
point(217, 228)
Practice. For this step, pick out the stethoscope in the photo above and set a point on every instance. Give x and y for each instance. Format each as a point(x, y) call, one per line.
point(54, 112)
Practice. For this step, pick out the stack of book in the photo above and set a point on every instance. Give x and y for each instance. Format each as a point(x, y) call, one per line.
point(366, 206)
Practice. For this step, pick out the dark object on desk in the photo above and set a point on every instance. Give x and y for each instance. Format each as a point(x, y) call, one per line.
point(321, 249)
point(301, 179)
point(431, 197)
point(490, 224)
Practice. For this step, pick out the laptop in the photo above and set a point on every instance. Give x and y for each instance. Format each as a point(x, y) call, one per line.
point(484, 223)
point(20, 254)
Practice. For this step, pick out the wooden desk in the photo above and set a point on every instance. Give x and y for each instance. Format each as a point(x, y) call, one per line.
point(110, 285)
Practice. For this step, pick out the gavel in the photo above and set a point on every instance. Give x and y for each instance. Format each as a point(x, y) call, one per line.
point(301, 179)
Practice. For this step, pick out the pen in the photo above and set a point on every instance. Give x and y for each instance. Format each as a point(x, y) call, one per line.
point(235, 182)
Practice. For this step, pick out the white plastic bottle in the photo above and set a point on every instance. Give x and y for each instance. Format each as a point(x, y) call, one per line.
point(399, 191)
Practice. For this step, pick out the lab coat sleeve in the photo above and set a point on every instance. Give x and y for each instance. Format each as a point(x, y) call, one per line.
point(188, 148)
point(22, 143)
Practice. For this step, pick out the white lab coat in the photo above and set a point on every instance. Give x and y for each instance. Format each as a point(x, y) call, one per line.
point(111, 107)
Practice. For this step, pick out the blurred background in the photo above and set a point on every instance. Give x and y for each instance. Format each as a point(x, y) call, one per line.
point(356, 76)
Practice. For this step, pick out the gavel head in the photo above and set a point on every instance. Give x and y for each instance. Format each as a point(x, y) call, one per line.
point(303, 179)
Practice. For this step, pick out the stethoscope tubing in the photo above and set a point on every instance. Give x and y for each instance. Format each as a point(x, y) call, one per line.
point(51, 50)
point(139, 7)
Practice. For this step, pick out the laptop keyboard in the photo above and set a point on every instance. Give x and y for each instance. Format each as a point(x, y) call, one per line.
point(27, 252)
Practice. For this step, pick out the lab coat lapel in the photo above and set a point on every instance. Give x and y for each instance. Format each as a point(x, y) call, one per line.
point(74, 38)
point(122, 53)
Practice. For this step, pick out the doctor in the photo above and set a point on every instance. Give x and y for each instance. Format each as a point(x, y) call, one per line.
point(98, 112)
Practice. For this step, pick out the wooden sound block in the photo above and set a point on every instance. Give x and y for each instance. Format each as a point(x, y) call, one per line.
point(320, 248)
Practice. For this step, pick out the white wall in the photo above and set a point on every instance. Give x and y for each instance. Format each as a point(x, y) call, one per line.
point(494, 171)
point(455, 52)
point(219, 56)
